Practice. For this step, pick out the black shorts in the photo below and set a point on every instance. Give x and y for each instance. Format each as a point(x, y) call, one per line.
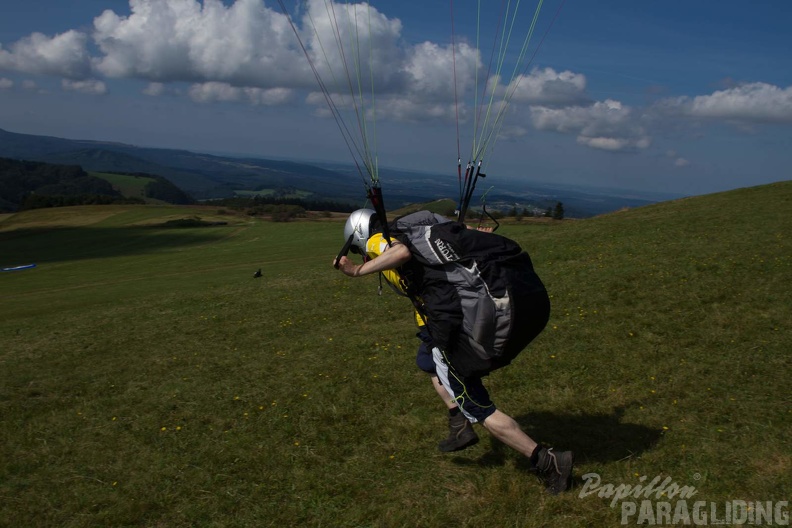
point(469, 393)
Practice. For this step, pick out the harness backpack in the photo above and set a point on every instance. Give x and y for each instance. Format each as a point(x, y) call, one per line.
point(468, 283)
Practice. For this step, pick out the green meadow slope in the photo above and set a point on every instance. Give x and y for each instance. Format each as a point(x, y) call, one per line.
point(147, 379)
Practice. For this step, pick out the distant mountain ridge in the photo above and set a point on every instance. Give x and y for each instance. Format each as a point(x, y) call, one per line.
point(207, 176)
point(201, 175)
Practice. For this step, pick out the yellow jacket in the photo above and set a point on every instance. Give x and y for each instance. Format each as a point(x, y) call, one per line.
point(375, 246)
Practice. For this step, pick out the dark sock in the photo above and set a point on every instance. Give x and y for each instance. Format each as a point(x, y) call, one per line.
point(535, 456)
point(453, 412)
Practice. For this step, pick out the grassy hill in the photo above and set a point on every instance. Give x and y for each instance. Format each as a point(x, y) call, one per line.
point(149, 380)
point(127, 184)
point(147, 187)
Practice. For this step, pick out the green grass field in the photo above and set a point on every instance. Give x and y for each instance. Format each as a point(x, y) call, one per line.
point(128, 185)
point(147, 379)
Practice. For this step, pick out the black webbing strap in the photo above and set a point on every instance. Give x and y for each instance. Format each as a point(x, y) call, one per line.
point(375, 197)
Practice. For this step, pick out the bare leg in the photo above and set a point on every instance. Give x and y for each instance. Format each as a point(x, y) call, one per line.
point(554, 468)
point(443, 393)
point(504, 428)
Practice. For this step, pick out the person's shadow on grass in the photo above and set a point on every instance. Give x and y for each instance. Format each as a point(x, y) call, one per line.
point(594, 438)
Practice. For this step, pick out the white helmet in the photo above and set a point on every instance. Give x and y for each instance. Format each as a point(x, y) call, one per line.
point(359, 225)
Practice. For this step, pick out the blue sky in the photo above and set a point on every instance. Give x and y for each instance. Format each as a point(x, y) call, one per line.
point(686, 97)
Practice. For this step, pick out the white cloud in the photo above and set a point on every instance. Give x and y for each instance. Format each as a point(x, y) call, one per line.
point(405, 109)
point(90, 86)
point(412, 83)
point(244, 44)
point(353, 44)
point(29, 85)
point(427, 91)
point(154, 89)
point(215, 91)
point(748, 103)
point(247, 51)
point(605, 125)
point(678, 160)
point(6, 84)
point(549, 88)
point(429, 70)
point(244, 51)
point(64, 55)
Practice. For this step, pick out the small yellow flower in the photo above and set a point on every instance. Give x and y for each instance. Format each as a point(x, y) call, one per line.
point(164, 429)
point(665, 428)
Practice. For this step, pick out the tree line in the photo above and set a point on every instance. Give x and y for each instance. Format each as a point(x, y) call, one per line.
point(555, 212)
point(32, 184)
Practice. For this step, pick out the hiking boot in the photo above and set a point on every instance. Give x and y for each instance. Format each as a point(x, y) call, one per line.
point(555, 469)
point(460, 434)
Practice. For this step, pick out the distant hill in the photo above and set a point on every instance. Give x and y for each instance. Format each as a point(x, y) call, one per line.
point(32, 184)
point(201, 175)
point(205, 176)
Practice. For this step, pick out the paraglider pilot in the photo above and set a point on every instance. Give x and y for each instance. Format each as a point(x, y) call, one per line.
point(481, 302)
